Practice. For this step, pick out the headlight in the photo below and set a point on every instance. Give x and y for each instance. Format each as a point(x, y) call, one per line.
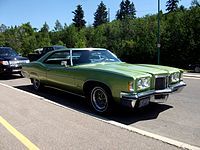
point(143, 83)
point(13, 62)
point(4, 62)
point(175, 77)
point(27, 61)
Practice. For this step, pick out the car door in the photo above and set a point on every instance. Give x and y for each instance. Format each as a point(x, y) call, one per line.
point(57, 72)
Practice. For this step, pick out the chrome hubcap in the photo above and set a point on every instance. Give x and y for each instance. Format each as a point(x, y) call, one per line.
point(99, 99)
point(36, 84)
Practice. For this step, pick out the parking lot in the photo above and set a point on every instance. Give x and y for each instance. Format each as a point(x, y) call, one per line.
point(54, 119)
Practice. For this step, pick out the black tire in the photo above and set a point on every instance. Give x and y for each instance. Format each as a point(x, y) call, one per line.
point(37, 84)
point(22, 74)
point(100, 100)
point(197, 69)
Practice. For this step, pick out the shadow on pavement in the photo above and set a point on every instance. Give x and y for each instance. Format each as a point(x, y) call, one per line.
point(149, 112)
point(120, 114)
point(9, 76)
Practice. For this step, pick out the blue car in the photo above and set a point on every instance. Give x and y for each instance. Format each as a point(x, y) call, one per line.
point(10, 61)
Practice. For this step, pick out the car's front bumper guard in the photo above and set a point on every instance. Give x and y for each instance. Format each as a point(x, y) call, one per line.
point(130, 99)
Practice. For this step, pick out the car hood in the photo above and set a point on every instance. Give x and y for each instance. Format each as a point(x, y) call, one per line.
point(132, 70)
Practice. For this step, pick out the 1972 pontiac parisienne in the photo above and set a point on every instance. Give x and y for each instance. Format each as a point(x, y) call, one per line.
point(103, 79)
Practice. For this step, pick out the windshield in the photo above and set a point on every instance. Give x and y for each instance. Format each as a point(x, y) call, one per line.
point(7, 52)
point(94, 56)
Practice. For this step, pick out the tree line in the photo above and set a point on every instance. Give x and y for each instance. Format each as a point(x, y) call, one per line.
point(133, 39)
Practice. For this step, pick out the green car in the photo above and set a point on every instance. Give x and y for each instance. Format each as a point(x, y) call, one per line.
point(103, 79)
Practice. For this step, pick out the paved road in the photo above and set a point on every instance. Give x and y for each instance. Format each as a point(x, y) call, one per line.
point(74, 126)
point(179, 118)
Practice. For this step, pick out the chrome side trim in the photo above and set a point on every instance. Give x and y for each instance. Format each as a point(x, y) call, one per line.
point(64, 91)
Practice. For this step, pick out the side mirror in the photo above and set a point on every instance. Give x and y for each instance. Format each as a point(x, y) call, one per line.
point(64, 63)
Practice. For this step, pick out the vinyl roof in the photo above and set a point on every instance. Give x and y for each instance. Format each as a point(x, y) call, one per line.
point(90, 49)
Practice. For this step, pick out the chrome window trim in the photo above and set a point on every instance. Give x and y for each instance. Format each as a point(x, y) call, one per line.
point(71, 58)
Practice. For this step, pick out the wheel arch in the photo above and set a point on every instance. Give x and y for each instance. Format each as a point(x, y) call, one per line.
point(33, 76)
point(88, 85)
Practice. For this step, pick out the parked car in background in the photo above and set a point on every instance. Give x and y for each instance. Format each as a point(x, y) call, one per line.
point(10, 61)
point(38, 50)
point(195, 67)
point(42, 51)
point(103, 79)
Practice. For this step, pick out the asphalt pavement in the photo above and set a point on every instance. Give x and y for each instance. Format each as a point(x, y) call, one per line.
point(51, 127)
point(56, 120)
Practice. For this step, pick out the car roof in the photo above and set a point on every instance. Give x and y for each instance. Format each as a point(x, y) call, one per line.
point(2, 47)
point(84, 49)
point(54, 46)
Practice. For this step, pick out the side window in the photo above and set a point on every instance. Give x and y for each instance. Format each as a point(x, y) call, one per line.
point(58, 57)
point(47, 49)
point(81, 57)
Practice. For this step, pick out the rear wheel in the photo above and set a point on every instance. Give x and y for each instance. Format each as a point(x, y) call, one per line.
point(100, 100)
point(22, 74)
point(36, 84)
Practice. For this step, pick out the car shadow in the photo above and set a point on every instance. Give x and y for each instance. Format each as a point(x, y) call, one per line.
point(120, 114)
point(9, 76)
point(130, 116)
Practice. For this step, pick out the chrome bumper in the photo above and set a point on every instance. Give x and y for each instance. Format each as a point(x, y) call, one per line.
point(130, 99)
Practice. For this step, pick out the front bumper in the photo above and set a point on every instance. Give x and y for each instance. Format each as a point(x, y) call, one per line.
point(10, 69)
point(158, 96)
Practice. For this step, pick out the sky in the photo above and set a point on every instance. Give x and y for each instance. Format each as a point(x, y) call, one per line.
point(37, 12)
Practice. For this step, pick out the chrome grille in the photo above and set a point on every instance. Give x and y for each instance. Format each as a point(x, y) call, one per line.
point(161, 83)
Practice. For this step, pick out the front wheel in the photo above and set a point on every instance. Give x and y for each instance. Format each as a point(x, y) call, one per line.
point(100, 100)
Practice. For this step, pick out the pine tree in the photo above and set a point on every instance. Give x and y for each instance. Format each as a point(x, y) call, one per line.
point(101, 15)
point(45, 28)
point(127, 10)
point(3, 28)
point(43, 37)
point(195, 3)
point(58, 26)
point(78, 20)
point(172, 5)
